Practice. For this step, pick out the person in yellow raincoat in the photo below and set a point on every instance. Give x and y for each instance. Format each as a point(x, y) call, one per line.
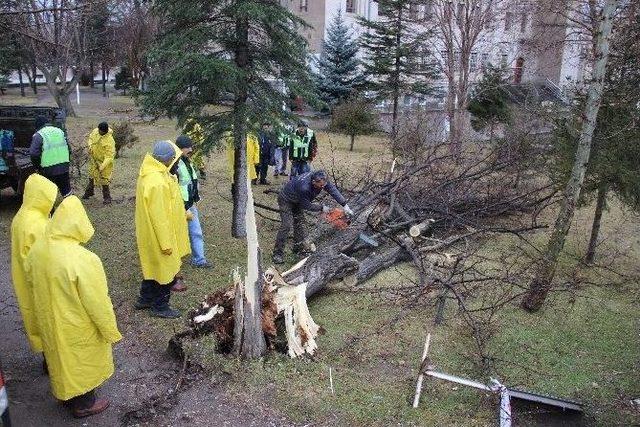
point(161, 229)
point(28, 227)
point(195, 132)
point(253, 155)
point(75, 316)
point(102, 152)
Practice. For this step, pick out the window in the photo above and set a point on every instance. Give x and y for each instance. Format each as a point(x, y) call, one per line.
point(473, 61)
point(413, 10)
point(484, 60)
point(407, 100)
point(456, 60)
point(304, 5)
point(503, 60)
point(523, 22)
point(428, 10)
point(351, 6)
point(507, 21)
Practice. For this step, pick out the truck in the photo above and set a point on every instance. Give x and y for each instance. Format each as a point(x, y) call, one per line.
point(17, 126)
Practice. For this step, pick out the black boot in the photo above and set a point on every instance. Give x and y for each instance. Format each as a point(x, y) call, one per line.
point(106, 195)
point(89, 192)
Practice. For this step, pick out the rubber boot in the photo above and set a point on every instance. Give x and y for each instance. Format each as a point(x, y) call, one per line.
point(89, 192)
point(106, 195)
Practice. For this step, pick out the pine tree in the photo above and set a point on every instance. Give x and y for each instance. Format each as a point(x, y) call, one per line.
point(614, 165)
point(210, 52)
point(397, 61)
point(489, 103)
point(338, 71)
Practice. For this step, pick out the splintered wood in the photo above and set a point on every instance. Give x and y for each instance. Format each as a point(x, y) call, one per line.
point(218, 313)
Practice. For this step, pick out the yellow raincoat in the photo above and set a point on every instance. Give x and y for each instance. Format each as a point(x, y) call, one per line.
point(161, 222)
point(197, 137)
point(75, 316)
point(102, 152)
point(253, 154)
point(26, 228)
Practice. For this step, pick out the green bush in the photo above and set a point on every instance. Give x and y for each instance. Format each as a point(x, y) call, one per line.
point(124, 136)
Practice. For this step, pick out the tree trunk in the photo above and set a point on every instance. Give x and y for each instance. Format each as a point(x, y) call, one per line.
point(21, 82)
point(541, 283)
point(35, 78)
point(104, 81)
point(249, 342)
point(238, 227)
point(353, 139)
point(595, 228)
point(92, 73)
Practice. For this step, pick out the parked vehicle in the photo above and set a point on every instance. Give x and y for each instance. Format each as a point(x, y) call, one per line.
point(17, 126)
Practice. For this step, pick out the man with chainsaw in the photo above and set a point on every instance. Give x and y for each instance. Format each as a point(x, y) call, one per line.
point(294, 198)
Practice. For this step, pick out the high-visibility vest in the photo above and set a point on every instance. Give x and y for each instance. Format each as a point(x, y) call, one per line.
point(301, 145)
point(54, 146)
point(185, 179)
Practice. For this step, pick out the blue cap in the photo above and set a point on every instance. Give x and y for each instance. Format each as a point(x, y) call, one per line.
point(163, 151)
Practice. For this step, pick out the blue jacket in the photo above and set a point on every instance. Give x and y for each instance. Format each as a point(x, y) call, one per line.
point(300, 190)
point(266, 146)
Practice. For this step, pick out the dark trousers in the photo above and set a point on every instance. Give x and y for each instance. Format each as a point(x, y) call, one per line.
point(152, 292)
point(84, 401)
point(298, 167)
point(291, 215)
point(262, 169)
point(62, 182)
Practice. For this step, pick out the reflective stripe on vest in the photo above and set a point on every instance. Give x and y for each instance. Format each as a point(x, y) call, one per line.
point(186, 179)
point(54, 147)
point(302, 145)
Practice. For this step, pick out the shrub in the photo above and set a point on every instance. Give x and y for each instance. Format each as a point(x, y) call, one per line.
point(124, 136)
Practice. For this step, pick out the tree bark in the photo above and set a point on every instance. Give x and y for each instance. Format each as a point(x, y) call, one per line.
point(249, 339)
point(104, 81)
point(35, 78)
point(238, 228)
point(92, 73)
point(21, 82)
point(595, 228)
point(541, 283)
point(353, 139)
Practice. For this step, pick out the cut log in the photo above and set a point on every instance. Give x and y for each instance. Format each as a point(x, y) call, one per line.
point(418, 229)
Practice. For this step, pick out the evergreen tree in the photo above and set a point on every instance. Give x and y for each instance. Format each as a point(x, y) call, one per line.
point(338, 66)
point(397, 61)
point(489, 104)
point(614, 165)
point(209, 52)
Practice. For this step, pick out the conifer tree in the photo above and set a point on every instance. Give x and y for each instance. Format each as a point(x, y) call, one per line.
point(489, 103)
point(338, 71)
point(247, 51)
point(396, 60)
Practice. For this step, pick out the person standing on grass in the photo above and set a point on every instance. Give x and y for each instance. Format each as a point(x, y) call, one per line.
point(27, 227)
point(294, 198)
point(266, 152)
point(161, 229)
point(253, 156)
point(188, 180)
point(102, 153)
point(281, 150)
point(49, 154)
point(75, 316)
point(303, 149)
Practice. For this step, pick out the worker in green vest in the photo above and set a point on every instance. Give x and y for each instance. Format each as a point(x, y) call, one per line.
point(188, 180)
point(303, 149)
point(283, 142)
point(49, 153)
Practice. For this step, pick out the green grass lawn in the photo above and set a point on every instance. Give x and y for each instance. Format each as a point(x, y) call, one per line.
point(584, 348)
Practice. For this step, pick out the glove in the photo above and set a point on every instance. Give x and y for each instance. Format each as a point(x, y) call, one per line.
point(326, 209)
point(348, 210)
point(189, 215)
point(167, 251)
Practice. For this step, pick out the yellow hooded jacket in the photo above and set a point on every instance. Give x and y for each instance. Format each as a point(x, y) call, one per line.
point(26, 228)
point(102, 152)
point(160, 221)
point(75, 316)
point(253, 154)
